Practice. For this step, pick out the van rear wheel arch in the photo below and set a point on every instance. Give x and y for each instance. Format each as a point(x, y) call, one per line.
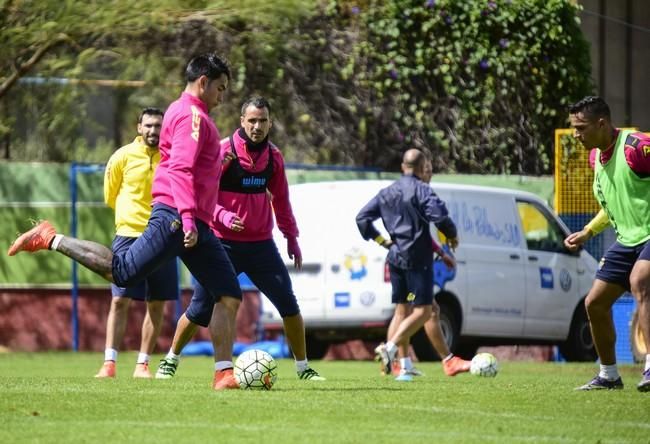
point(579, 345)
point(450, 318)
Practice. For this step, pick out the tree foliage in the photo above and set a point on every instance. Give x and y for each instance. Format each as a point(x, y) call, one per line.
point(125, 40)
point(480, 84)
point(47, 39)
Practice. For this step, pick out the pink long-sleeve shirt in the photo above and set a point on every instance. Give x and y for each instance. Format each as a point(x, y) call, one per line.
point(188, 175)
point(256, 210)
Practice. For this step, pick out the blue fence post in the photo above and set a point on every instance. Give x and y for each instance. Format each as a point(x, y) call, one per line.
point(74, 169)
point(75, 280)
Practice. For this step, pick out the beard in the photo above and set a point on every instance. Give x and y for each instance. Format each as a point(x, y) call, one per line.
point(151, 142)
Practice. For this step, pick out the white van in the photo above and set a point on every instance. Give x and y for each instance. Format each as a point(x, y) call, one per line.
point(515, 282)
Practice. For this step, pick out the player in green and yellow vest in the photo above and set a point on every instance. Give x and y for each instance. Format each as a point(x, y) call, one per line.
point(621, 161)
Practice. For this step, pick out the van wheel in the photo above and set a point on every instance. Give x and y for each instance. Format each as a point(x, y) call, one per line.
point(422, 347)
point(639, 349)
point(450, 327)
point(579, 346)
point(316, 348)
point(467, 350)
point(450, 331)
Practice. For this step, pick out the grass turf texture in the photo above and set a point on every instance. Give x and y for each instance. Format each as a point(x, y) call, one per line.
point(53, 398)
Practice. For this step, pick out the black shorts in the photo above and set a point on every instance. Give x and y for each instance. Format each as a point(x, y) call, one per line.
point(413, 286)
point(616, 264)
point(160, 285)
point(161, 242)
point(262, 263)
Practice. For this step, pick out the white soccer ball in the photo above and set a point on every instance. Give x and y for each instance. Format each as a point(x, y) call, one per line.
point(256, 370)
point(484, 364)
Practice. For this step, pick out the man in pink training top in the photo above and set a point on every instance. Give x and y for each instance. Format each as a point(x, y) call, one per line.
point(184, 208)
point(255, 175)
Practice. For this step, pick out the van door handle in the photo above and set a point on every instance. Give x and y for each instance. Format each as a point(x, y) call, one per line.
point(532, 258)
point(514, 256)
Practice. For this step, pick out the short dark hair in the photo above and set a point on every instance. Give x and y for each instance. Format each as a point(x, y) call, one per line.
point(209, 64)
point(150, 111)
point(258, 102)
point(591, 106)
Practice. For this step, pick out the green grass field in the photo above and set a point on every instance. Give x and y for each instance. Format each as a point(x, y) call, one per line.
point(53, 398)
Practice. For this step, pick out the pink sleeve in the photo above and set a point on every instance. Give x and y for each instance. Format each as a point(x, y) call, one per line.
point(220, 214)
point(279, 188)
point(436, 248)
point(186, 145)
point(592, 158)
point(638, 154)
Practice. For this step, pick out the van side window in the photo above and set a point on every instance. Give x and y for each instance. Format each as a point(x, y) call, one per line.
point(541, 231)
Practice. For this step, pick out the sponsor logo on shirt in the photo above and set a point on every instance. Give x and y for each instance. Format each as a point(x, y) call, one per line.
point(196, 123)
point(632, 141)
point(253, 181)
point(646, 150)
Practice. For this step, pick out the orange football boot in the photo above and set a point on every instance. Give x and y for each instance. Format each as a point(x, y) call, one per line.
point(142, 371)
point(455, 365)
point(225, 380)
point(38, 238)
point(107, 370)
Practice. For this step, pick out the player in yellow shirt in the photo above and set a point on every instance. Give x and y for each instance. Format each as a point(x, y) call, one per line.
point(127, 189)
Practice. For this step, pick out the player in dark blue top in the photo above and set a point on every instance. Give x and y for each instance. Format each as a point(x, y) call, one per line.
point(406, 208)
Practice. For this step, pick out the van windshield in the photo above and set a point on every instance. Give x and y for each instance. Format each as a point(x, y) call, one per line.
point(540, 231)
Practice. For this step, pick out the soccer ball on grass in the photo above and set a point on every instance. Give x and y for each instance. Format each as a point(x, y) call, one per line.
point(256, 370)
point(484, 364)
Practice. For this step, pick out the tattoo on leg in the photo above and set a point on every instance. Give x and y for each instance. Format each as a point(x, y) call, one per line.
point(92, 255)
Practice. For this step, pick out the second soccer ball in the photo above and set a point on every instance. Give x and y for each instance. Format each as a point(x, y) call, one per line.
point(484, 364)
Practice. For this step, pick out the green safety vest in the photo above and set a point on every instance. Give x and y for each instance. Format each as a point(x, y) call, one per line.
point(623, 195)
